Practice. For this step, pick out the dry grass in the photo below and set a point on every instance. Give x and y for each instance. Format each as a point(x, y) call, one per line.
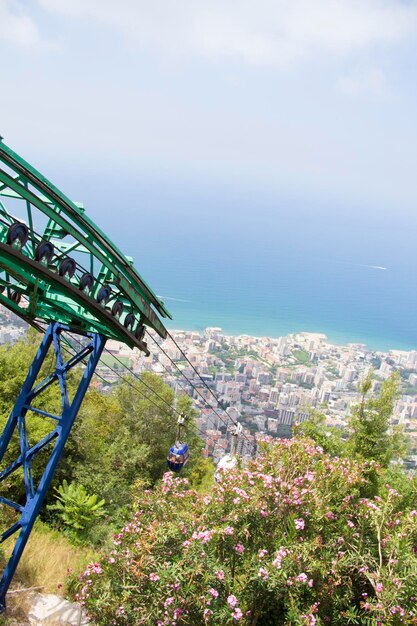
point(47, 558)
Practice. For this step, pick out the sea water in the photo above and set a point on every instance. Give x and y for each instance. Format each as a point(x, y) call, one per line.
point(261, 264)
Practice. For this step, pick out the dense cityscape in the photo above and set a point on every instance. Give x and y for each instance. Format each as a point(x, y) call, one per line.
point(271, 384)
point(267, 384)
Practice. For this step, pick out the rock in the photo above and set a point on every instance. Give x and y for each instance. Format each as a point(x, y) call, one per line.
point(51, 610)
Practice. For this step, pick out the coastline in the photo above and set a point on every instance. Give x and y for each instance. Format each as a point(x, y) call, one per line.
point(337, 338)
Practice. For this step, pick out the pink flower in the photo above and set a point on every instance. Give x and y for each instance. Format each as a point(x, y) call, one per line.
point(393, 492)
point(264, 513)
point(400, 610)
point(167, 480)
point(302, 578)
point(413, 513)
point(241, 492)
point(228, 530)
point(262, 553)
point(351, 524)
point(168, 601)
point(263, 573)
point(239, 548)
point(379, 587)
point(232, 601)
point(204, 536)
point(220, 574)
point(213, 592)
point(299, 523)
point(281, 554)
point(154, 577)
point(237, 614)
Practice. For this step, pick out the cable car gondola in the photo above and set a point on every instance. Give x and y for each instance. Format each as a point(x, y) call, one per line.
point(178, 453)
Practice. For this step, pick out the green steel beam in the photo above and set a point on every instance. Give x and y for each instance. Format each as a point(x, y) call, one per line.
point(132, 291)
point(80, 219)
point(48, 296)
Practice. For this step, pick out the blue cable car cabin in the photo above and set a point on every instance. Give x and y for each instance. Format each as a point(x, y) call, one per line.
point(178, 456)
point(178, 453)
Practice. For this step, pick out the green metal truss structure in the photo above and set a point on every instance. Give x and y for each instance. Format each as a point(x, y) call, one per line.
point(86, 282)
point(57, 266)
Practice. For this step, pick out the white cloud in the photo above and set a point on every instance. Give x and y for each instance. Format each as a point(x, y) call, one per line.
point(266, 32)
point(16, 26)
point(367, 82)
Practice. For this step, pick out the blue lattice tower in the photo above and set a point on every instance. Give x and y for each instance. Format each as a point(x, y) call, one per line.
point(19, 423)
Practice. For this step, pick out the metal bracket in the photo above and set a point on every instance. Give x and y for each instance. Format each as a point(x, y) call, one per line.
point(180, 423)
point(236, 432)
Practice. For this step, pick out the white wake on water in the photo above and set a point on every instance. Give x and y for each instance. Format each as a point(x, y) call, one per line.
point(173, 299)
point(373, 267)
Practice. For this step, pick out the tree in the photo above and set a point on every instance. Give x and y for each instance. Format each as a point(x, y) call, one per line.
point(372, 438)
point(125, 436)
point(328, 437)
point(201, 475)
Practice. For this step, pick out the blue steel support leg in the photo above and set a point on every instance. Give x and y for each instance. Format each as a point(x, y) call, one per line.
point(59, 434)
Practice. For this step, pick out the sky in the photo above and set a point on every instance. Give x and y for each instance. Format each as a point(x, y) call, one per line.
point(308, 98)
point(197, 113)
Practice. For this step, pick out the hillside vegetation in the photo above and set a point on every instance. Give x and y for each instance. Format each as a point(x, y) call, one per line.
point(288, 540)
point(321, 529)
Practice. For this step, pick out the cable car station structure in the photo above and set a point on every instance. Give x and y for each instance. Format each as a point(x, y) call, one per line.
point(58, 267)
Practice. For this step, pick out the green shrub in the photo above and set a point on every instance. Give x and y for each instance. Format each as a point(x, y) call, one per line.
point(287, 540)
point(77, 510)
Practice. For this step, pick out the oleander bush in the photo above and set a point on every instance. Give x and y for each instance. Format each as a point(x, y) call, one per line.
point(287, 540)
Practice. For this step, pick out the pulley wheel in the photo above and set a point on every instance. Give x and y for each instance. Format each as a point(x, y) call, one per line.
point(67, 267)
point(15, 296)
point(117, 308)
point(18, 232)
point(129, 321)
point(104, 294)
point(86, 282)
point(140, 332)
point(44, 252)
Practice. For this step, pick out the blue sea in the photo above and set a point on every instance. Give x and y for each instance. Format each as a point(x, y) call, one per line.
point(263, 263)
